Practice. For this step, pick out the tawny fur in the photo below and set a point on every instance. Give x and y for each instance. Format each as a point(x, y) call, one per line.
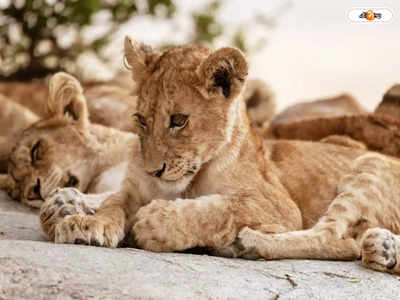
point(13, 118)
point(378, 131)
point(211, 182)
point(69, 150)
point(104, 108)
point(109, 102)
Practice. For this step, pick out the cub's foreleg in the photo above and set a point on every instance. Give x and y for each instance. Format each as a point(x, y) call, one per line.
point(367, 197)
point(185, 223)
point(211, 221)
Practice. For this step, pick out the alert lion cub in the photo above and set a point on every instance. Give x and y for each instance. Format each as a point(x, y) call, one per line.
point(200, 177)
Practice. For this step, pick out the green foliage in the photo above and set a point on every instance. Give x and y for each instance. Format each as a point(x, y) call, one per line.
point(31, 32)
point(169, 5)
point(38, 37)
point(207, 27)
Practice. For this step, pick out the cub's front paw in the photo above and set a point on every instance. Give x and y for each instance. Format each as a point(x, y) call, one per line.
point(61, 203)
point(157, 229)
point(88, 230)
point(381, 250)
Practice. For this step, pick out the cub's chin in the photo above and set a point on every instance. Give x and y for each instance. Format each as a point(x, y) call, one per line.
point(175, 186)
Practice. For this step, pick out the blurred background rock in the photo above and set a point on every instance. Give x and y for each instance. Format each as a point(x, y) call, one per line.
point(304, 49)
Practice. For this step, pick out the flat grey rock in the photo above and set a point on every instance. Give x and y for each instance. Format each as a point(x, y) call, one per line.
point(20, 226)
point(31, 268)
point(9, 205)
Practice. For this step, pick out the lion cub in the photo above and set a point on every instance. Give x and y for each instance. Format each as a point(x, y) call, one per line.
point(199, 176)
point(64, 149)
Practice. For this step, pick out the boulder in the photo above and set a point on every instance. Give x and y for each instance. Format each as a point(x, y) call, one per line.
point(33, 268)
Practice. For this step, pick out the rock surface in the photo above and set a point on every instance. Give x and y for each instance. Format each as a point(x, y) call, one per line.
point(31, 268)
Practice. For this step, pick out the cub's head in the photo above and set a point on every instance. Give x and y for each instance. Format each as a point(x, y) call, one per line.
point(54, 151)
point(189, 99)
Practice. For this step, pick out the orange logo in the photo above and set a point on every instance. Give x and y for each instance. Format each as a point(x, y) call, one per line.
point(370, 15)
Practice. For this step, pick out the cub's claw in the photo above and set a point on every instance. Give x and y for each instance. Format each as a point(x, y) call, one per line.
point(60, 204)
point(88, 230)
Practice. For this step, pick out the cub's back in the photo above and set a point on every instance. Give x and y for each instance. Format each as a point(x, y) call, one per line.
point(310, 171)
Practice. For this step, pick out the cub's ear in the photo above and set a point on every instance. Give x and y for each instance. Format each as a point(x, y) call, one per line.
point(66, 99)
point(224, 72)
point(140, 58)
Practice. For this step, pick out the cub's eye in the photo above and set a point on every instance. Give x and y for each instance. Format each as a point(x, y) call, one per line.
point(72, 181)
point(141, 119)
point(178, 120)
point(35, 152)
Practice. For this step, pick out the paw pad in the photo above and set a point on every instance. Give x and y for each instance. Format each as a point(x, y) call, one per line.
point(379, 250)
point(60, 204)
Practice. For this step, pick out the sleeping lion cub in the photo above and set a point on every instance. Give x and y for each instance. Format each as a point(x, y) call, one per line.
point(64, 149)
point(199, 176)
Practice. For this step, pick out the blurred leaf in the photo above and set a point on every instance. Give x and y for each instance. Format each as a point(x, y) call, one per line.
point(207, 27)
point(33, 32)
point(239, 40)
point(167, 4)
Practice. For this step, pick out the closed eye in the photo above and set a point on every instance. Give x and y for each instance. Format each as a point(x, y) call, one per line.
point(35, 152)
point(141, 119)
point(178, 121)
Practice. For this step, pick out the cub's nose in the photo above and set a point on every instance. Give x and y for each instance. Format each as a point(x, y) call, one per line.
point(158, 173)
point(34, 192)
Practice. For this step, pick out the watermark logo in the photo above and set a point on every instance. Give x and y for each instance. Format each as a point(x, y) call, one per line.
point(370, 15)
